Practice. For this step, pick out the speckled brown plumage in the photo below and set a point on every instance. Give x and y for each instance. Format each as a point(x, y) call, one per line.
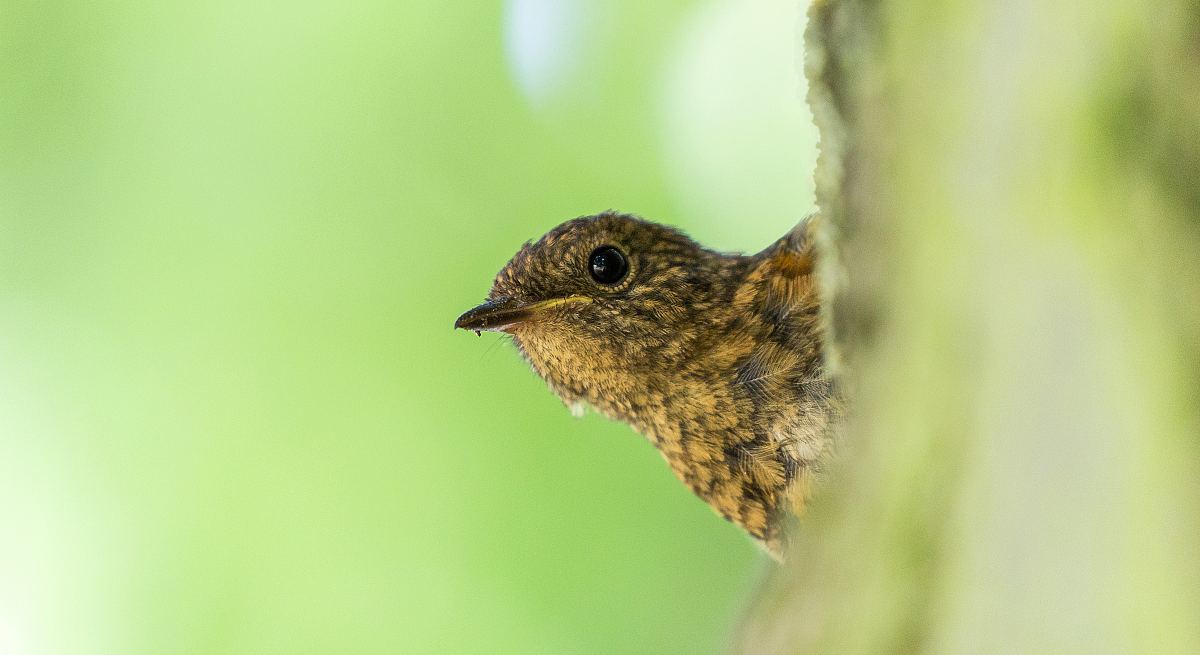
point(715, 358)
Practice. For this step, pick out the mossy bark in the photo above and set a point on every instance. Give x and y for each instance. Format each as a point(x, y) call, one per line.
point(1012, 257)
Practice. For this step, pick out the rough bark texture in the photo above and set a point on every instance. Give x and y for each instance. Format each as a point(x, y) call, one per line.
point(1012, 251)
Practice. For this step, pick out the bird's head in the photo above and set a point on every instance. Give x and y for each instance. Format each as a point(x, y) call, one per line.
point(602, 305)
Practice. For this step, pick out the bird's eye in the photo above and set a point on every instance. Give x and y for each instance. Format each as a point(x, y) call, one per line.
point(607, 265)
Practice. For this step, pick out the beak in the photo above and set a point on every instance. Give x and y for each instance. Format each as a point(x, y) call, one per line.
point(502, 313)
point(493, 315)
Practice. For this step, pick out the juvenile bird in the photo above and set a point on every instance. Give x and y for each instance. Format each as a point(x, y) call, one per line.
point(716, 358)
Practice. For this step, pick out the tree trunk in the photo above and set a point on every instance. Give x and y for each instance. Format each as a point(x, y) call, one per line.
point(1012, 259)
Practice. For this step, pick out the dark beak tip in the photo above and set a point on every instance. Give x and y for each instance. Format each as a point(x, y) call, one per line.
point(476, 318)
point(465, 322)
point(492, 315)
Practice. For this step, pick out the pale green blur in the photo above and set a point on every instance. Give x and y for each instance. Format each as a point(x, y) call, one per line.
point(234, 236)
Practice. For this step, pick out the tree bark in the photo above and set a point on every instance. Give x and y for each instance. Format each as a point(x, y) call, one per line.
point(1011, 254)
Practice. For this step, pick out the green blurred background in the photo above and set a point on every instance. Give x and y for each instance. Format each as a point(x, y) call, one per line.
point(234, 417)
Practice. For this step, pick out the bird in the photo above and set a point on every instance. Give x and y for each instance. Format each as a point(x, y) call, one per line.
point(716, 358)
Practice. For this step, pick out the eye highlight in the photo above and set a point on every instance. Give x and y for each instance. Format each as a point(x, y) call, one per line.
point(607, 265)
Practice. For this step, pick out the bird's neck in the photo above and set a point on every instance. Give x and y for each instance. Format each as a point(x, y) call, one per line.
point(737, 404)
point(743, 419)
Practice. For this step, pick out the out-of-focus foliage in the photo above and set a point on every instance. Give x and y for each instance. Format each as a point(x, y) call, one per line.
point(233, 238)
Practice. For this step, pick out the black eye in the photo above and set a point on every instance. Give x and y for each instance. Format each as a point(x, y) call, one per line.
point(607, 265)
